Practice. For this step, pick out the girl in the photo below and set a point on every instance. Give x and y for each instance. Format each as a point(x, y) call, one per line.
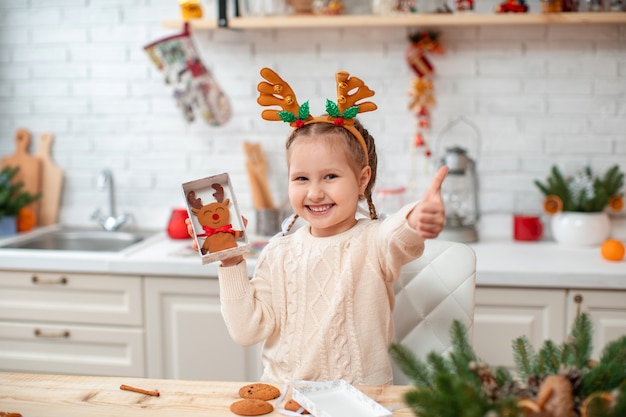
point(321, 298)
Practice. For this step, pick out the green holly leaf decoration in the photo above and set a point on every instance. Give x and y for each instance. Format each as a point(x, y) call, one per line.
point(332, 109)
point(351, 112)
point(287, 116)
point(303, 111)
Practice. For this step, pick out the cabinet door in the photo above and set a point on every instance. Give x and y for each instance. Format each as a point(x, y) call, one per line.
point(504, 314)
point(44, 347)
point(607, 311)
point(75, 298)
point(186, 334)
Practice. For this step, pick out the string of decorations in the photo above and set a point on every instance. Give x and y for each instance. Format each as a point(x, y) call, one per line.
point(422, 98)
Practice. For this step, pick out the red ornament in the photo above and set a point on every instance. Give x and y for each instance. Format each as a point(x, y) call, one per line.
point(338, 121)
point(299, 123)
point(419, 140)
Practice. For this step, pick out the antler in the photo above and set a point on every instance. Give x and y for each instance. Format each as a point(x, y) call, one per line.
point(219, 193)
point(345, 84)
point(271, 93)
point(193, 200)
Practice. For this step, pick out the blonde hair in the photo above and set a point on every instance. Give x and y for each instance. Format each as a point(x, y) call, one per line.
point(354, 150)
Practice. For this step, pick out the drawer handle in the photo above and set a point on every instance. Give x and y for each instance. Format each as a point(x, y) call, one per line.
point(54, 281)
point(578, 299)
point(60, 334)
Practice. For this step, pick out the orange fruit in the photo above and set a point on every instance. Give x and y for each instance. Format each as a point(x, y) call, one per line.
point(612, 250)
point(552, 204)
point(25, 220)
point(616, 203)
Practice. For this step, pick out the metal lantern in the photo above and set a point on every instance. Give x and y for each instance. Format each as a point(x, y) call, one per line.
point(460, 189)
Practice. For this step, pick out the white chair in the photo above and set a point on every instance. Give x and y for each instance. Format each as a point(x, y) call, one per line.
point(431, 293)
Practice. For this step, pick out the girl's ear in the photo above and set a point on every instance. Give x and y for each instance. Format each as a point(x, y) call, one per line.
point(364, 179)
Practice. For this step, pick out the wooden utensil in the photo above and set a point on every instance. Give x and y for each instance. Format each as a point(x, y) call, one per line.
point(51, 183)
point(30, 167)
point(256, 166)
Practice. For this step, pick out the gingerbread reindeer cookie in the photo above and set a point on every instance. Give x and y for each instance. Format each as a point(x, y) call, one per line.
point(215, 220)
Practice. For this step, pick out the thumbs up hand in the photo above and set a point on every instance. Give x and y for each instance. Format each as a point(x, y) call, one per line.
point(428, 216)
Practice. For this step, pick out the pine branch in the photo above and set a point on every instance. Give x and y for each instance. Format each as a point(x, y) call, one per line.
point(610, 371)
point(582, 332)
point(414, 369)
point(524, 356)
point(550, 355)
point(503, 376)
point(462, 352)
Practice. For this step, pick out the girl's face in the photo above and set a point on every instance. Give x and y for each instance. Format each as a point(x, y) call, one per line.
point(324, 184)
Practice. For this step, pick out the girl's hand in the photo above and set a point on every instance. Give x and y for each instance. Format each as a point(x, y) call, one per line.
point(194, 243)
point(428, 216)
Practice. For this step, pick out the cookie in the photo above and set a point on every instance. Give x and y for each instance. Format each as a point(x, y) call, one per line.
point(251, 407)
point(292, 405)
point(259, 391)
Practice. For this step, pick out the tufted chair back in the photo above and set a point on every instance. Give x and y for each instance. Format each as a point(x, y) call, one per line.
point(431, 293)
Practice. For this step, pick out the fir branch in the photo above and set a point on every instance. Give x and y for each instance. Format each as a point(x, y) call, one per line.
point(550, 355)
point(503, 376)
point(438, 364)
point(524, 356)
point(462, 352)
point(414, 369)
point(582, 343)
point(610, 371)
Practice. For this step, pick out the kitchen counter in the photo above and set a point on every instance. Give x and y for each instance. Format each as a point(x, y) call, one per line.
point(500, 262)
point(34, 395)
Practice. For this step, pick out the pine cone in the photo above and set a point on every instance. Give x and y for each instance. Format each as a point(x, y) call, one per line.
point(533, 383)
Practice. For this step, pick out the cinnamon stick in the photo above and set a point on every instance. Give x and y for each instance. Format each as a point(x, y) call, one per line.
point(140, 390)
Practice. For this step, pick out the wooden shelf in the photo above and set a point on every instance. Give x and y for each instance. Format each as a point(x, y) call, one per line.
point(460, 19)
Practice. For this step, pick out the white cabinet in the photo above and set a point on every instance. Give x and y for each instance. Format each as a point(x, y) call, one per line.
point(503, 314)
point(186, 334)
point(607, 310)
point(71, 324)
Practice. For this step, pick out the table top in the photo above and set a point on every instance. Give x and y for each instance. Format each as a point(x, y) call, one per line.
point(34, 395)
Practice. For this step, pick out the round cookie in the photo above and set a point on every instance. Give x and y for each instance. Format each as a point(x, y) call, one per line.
point(294, 406)
point(259, 391)
point(251, 407)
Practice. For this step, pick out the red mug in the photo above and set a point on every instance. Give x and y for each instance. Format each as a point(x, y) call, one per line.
point(527, 227)
point(176, 227)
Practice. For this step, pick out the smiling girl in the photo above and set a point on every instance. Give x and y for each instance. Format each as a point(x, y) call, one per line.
point(321, 298)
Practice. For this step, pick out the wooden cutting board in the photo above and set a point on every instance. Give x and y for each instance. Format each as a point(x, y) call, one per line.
point(51, 183)
point(30, 167)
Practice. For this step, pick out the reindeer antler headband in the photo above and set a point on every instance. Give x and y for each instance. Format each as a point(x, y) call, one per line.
point(276, 92)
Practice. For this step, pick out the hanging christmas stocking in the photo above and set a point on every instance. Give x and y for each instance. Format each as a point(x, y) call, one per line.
point(194, 87)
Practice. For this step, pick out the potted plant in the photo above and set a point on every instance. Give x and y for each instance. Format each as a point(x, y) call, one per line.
point(13, 199)
point(578, 204)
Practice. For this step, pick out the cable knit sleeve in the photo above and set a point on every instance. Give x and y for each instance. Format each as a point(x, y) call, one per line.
point(246, 304)
point(399, 243)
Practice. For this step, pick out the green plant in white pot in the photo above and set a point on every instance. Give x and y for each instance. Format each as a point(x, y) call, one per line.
point(578, 204)
point(12, 200)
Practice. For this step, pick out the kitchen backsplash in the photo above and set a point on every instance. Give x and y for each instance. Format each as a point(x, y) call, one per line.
point(538, 95)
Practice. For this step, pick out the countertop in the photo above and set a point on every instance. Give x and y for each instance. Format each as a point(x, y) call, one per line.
point(500, 262)
point(34, 395)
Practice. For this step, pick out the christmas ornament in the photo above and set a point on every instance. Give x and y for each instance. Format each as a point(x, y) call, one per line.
point(193, 85)
point(512, 6)
point(422, 98)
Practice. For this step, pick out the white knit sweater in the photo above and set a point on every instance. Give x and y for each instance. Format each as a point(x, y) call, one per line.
point(323, 306)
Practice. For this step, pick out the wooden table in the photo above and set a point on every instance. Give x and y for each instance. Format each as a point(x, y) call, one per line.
point(36, 395)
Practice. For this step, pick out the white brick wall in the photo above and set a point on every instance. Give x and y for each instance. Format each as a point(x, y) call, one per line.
point(539, 95)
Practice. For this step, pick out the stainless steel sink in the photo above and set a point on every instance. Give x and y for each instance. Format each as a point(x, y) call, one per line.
point(80, 239)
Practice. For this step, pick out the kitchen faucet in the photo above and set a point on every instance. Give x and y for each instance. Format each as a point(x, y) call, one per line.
point(111, 222)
